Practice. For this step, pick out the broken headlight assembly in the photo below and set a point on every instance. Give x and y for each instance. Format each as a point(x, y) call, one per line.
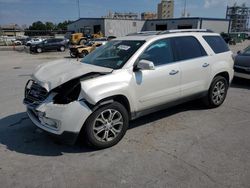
point(67, 92)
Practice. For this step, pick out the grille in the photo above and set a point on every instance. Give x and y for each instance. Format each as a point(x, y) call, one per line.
point(34, 94)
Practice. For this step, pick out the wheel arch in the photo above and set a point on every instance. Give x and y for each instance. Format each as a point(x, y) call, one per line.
point(115, 98)
point(224, 74)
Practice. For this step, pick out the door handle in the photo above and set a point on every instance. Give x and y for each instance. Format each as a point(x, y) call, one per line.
point(205, 65)
point(174, 72)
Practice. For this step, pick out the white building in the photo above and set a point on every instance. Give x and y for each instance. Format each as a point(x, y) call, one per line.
point(122, 27)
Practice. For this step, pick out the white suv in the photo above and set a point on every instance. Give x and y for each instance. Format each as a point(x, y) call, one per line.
point(125, 79)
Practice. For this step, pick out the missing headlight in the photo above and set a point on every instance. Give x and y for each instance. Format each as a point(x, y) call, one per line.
point(67, 92)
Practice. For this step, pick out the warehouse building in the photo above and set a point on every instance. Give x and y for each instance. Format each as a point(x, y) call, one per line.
point(215, 24)
point(122, 27)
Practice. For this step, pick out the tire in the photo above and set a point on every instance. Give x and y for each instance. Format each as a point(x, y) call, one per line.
point(39, 50)
point(217, 92)
point(84, 53)
point(100, 131)
point(72, 55)
point(62, 48)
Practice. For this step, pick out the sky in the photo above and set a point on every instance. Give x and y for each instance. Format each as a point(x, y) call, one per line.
point(28, 11)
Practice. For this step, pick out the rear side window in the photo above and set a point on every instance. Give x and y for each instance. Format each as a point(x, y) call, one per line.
point(217, 44)
point(58, 40)
point(187, 48)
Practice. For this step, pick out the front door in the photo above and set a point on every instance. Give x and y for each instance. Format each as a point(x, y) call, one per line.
point(159, 86)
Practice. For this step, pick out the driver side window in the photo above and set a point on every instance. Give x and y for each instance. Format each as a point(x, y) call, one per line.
point(160, 52)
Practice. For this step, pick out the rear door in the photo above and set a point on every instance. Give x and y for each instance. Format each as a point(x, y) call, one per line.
point(48, 44)
point(194, 65)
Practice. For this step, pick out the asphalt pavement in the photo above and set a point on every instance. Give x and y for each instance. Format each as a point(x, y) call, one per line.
point(185, 146)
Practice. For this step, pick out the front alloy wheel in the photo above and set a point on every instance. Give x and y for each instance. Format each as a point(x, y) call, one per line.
point(62, 48)
point(106, 126)
point(39, 50)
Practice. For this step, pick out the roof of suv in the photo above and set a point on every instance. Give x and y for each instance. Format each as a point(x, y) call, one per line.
point(147, 35)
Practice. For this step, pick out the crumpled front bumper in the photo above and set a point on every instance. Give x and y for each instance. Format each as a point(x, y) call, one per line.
point(60, 119)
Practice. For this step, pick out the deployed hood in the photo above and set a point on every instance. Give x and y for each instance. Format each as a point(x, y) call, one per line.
point(52, 74)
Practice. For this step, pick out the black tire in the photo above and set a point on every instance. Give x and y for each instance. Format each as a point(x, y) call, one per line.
point(92, 137)
point(84, 53)
point(215, 98)
point(39, 50)
point(62, 48)
point(72, 55)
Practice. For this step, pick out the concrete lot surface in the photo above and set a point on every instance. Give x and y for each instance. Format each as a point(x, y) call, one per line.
point(185, 146)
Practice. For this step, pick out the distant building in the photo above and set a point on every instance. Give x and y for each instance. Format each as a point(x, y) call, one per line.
point(11, 30)
point(148, 15)
point(239, 16)
point(120, 15)
point(122, 27)
point(166, 9)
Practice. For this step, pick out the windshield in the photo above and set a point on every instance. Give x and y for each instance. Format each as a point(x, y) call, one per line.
point(247, 51)
point(114, 54)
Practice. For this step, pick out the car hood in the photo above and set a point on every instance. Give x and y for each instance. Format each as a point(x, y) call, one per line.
point(243, 61)
point(55, 73)
point(78, 46)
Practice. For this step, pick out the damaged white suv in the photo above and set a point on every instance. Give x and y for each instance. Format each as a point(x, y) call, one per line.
point(125, 79)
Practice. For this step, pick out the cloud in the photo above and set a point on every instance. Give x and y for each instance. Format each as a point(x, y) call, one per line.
point(213, 3)
point(10, 1)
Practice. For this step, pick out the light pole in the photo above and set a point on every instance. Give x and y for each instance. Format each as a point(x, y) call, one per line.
point(78, 6)
point(185, 8)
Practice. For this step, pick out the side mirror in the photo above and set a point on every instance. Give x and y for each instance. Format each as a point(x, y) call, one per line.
point(239, 52)
point(145, 65)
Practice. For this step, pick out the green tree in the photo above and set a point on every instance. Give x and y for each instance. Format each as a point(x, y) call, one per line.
point(63, 25)
point(37, 26)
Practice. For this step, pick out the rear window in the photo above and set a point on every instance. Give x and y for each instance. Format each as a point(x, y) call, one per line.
point(217, 44)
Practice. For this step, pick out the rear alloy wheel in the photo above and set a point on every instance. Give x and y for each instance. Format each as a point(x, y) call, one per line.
point(217, 92)
point(107, 125)
point(62, 48)
point(39, 50)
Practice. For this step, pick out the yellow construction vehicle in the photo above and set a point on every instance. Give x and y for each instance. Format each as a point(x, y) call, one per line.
point(83, 50)
point(76, 37)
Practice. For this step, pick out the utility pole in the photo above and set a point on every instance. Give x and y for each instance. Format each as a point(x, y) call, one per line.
point(185, 8)
point(78, 5)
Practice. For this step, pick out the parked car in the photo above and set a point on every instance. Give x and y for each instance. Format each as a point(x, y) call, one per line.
point(17, 42)
point(49, 45)
point(33, 41)
point(242, 64)
point(127, 78)
point(102, 40)
point(226, 37)
point(83, 50)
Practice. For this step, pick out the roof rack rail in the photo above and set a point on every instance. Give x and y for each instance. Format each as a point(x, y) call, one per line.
point(144, 33)
point(186, 30)
point(148, 33)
